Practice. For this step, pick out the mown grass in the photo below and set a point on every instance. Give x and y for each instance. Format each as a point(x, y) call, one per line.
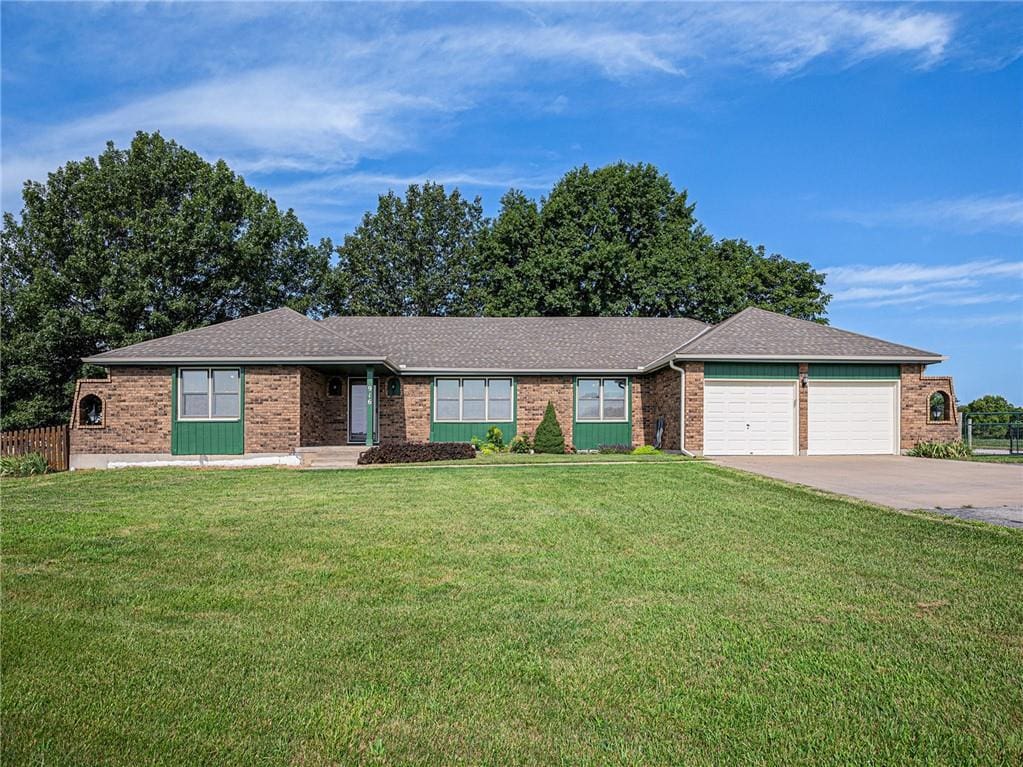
point(1005, 458)
point(671, 613)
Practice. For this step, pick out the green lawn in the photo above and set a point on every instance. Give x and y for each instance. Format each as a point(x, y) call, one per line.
point(997, 458)
point(665, 613)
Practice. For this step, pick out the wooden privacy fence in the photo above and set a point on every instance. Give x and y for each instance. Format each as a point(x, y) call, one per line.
point(51, 441)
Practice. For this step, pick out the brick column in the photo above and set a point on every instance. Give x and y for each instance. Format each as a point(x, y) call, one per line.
point(803, 393)
point(694, 407)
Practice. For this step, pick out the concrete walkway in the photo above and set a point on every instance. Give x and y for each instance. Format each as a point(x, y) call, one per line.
point(992, 492)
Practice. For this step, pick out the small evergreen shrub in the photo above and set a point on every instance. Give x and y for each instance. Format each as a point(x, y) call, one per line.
point(549, 437)
point(495, 437)
point(646, 450)
point(417, 452)
point(520, 444)
point(23, 465)
point(615, 449)
point(954, 449)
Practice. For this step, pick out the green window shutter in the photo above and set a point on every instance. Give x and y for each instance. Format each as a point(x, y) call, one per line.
point(852, 372)
point(757, 370)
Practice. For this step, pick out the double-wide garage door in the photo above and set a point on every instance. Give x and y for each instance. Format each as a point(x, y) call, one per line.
point(761, 417)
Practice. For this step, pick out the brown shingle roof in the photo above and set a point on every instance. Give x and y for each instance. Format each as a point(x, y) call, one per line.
point(508, 344)
point(281, 334)
point(759, 333)
point(562, 344)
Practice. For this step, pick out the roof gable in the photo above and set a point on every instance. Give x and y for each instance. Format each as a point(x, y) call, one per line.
point(278, 335)
point(758, 333)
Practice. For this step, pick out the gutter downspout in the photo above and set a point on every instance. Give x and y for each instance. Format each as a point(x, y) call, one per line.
point(681, 408)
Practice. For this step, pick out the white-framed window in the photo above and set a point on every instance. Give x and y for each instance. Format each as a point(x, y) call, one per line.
point(601, 399)
point(209, 394)
point(472, 399)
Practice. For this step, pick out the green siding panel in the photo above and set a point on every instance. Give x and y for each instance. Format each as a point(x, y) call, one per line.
point(833, 371)
point(464, 432)
point(448, 431)
point(207, 437)
point(589, 435)
point(761, 370)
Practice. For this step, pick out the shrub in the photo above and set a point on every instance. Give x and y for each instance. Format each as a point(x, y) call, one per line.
point(618, 449)
point(954, 449)
point(495, 437)
point(520, 444)
point(549, 437)
point(417, 452)
point(646, 450)
point(23, 465)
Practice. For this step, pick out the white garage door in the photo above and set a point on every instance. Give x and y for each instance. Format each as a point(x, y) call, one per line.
point(851, 418)
point(749, 418)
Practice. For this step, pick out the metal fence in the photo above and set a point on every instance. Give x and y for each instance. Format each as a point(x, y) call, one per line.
point(51, 441)
point(994, 432)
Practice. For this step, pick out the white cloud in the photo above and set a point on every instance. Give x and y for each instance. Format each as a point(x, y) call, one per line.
point(319, 89)
point(970, 283)
point(970, 214)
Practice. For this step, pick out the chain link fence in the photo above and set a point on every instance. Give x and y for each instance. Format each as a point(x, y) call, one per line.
point(994, 432)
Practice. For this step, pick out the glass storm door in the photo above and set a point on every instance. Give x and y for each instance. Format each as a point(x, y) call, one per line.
point(357, 411)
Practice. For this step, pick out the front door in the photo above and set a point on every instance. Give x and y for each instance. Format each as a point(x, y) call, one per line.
point(357, 411)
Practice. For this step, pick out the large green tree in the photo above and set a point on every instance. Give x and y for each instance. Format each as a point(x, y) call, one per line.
point(414, 256)
point(621, 240)
point(131, 245)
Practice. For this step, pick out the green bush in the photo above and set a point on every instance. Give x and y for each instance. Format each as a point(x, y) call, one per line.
point(646, 450)
point(616, 449)
point(520, 444)
point(495, 437)
point(23, 465)
point(549, 437)
point(954, 449)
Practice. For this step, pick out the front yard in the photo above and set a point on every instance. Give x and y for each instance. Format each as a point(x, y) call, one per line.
point(667, 613)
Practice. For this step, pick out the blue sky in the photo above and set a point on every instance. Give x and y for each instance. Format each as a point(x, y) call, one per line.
point(883, 143)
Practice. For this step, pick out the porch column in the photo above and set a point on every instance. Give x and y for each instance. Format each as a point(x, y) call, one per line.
point(369, 407)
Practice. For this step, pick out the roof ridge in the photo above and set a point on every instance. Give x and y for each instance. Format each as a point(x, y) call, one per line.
point(711, 328)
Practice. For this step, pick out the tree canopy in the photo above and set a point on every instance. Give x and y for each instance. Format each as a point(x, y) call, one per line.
point(413, 256)
point(136, 244)
point(615, 241)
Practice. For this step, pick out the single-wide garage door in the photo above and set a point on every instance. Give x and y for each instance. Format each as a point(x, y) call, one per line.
point(749, 418)
point(846, 418)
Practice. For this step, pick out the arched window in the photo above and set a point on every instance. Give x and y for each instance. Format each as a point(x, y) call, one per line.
point(90, 410)
point(939, 406)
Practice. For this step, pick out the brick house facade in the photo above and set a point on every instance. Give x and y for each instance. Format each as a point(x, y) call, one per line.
point(281, 406)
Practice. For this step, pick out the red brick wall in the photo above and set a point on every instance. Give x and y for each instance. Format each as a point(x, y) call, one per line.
point(273, 408)
point(654, 396)
point(694, 407)
point(136, 412)
point(915, 412)
point(405, 418)
point(534, 392)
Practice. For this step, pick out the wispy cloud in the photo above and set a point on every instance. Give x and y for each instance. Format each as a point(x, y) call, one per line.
point(969, 214)
point(320, 89)
point(980, 282)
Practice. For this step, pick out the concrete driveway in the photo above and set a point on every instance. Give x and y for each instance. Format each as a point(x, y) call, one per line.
point(992, 492)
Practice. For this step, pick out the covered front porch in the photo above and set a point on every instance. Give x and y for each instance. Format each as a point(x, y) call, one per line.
point(340, 404)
